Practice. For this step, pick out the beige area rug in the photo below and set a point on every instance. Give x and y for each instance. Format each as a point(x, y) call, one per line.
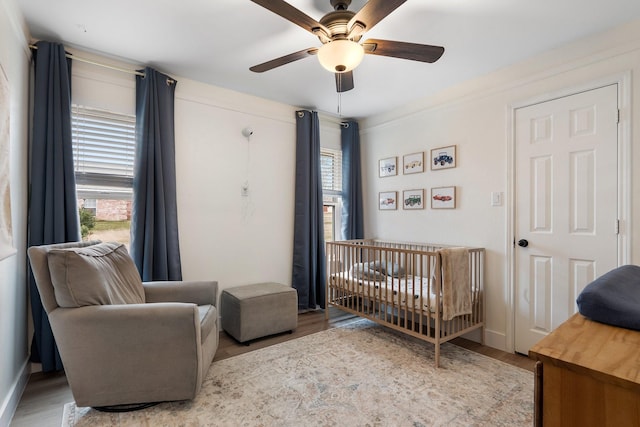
point(360, 374)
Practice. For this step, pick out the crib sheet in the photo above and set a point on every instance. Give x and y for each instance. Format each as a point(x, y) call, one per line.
point(390, 290)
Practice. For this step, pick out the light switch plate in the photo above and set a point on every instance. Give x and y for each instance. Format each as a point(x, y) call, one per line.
point(496, 198)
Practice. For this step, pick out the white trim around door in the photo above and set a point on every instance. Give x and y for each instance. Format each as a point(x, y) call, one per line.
point(623, 82)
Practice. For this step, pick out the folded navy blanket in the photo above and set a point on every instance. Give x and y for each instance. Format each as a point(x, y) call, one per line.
point(613, 298)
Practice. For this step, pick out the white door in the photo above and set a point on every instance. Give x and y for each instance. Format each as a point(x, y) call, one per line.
point(566, 206)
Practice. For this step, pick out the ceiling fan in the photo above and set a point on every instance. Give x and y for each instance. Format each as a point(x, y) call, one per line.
point(339, 32)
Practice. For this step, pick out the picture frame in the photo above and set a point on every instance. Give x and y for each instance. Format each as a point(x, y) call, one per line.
point(443, 158)
point(413, 163)
point(388, 167)
point(413, 199)
point(388, 200)
point(443, 198)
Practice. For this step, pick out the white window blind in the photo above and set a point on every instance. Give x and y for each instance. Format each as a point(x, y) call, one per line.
point(331, 168)
point(103, 147)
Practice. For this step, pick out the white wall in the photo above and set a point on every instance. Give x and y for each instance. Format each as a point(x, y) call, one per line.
point(101, 87)
point(223, 235)
point(14, 368)
point(476, 117)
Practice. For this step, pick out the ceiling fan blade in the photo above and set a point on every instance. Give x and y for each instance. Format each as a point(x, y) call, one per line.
point(412, 51)
point(269, 65)
point(285, 10)
point(344, 81)
point(370, 14)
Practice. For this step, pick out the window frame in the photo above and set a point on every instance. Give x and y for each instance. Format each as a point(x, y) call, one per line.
point(332, 196)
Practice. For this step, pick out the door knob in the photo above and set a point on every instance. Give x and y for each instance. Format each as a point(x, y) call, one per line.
point(523, 243)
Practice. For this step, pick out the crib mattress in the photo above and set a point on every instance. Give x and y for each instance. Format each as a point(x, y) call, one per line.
point(404, 292)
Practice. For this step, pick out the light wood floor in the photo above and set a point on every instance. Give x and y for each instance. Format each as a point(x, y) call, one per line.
point(42, 402)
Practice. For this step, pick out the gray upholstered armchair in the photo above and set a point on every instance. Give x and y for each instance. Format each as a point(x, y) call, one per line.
point(122, 341)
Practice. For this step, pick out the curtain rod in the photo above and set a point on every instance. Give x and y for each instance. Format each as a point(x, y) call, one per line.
point(99, 64)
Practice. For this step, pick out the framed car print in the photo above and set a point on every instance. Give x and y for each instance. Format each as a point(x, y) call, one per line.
point(413, 199)
point(443, 158)
point(388, 167)
point(443, 198)
point(387, 200)
point(413, 163)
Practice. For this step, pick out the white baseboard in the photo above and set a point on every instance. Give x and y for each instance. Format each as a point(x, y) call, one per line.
point(475, 335)
point(495, 339)
point(492, 339)
point(11, 401)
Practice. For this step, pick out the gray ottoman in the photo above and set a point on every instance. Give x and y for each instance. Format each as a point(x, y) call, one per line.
point(255, 311)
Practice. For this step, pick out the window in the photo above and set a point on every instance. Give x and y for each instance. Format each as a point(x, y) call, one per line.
point(331, 169)
point(91, 205)
point(103, 154)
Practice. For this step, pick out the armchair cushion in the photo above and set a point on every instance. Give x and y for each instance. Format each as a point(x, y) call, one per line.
point(102, 274)
point(208, 316)
point(195, 292)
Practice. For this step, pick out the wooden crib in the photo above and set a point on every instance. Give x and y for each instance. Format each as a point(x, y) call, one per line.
point(400, 286)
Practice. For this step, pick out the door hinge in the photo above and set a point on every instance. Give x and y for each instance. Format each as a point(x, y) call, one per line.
point(617, 226)
point(618, 116)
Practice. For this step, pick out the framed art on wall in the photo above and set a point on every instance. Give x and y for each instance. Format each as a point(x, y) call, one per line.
point(387, 200)
point(443, 157)
point(413, 163)
point(443, 198)
point(413, 199)
point(388, 167)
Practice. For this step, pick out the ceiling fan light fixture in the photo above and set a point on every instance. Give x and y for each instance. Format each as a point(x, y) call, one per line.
point(340, 56)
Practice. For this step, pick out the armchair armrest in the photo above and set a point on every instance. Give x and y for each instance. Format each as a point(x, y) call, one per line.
point(195, 292)
point(129, 350)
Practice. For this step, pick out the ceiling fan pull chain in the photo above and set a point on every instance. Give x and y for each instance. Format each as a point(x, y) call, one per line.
point(340, 104)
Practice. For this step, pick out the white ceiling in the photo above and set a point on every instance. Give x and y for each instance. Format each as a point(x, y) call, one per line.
point(216, 41)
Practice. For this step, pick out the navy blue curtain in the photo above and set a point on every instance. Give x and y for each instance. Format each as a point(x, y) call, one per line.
point(154, 213)
point(308, 233)
point(352, 217)
point(53, 208)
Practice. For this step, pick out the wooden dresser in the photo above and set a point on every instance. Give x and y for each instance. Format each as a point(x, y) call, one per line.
point(588, 374)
